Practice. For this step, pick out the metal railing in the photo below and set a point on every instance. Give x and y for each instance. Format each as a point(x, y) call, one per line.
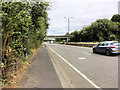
point(82, 44)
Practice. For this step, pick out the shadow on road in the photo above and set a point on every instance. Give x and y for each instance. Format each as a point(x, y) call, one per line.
point(112, 55)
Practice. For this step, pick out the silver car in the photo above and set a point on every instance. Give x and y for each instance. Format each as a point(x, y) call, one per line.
point(108, 47)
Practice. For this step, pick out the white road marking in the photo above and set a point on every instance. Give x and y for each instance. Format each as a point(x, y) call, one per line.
point(84, 76)
point(60, 76)
point(79, 47)
point(73, 46)
point(86, 53)
point(82, 58)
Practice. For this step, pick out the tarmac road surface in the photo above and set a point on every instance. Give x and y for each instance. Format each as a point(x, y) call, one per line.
point(78, 67)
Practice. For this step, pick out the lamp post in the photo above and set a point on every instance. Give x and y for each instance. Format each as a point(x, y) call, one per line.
point(68, 27)
point(119, 7)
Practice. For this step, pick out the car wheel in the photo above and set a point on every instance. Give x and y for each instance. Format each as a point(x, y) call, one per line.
point(94, 50)
point(107, 52)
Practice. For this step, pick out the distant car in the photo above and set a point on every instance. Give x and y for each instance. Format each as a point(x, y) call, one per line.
point(108, 47)
point(51, 42)
point(64, 41)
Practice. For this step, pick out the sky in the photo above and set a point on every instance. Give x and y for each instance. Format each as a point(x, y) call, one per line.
point(81, 13)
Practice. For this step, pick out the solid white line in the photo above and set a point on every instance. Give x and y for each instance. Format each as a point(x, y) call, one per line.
point(79, 47)
point(86, 53)
point(84, 76)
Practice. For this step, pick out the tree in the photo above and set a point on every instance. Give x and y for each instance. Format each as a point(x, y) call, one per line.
point(24, 26)
point(100, 30)
point(116, 18)
point(40, 21)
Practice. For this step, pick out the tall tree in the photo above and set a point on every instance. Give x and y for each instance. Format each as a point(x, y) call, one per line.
point(116, 18)
point(100, 30)
point(23, 29)
point(40, 20)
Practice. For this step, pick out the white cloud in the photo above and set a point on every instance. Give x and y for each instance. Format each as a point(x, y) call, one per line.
point(83, 12)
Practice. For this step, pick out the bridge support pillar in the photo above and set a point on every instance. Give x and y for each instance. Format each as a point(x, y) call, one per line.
point(67, 39)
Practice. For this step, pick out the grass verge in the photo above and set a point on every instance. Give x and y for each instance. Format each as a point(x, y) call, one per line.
point(16, 76)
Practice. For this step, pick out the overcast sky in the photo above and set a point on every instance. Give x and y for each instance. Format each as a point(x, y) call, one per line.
point(83, 12)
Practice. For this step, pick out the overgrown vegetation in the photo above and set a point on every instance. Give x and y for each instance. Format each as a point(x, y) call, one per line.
point(24, 26)
point(100, 30)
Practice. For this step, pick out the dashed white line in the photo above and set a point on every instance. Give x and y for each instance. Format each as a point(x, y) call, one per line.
point(81, 58)
point(84, 76)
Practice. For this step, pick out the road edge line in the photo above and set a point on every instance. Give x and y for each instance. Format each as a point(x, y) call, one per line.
point(56, 69)
point(84, 76)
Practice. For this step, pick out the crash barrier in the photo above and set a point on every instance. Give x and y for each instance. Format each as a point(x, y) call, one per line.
point(82, 44)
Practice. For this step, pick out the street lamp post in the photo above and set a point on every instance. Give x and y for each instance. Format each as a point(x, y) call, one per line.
point(119, 11)
point(68, 28)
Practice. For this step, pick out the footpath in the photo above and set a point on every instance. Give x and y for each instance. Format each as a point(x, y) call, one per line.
point(41, 73)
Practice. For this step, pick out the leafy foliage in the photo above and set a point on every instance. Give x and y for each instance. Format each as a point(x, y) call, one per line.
point(116, 18)
point(24, 26)
point(100, 30)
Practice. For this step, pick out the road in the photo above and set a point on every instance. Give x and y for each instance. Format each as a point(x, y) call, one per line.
point(78, 67)
point(41, 73)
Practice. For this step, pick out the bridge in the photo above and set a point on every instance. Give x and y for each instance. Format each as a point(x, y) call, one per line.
point(59, 36)
point(51, 37)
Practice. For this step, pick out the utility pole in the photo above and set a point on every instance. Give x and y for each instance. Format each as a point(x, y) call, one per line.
point(119, 7)
point(68, 28)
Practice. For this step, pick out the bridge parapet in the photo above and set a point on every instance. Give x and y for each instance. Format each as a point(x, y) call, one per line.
point(62, 36)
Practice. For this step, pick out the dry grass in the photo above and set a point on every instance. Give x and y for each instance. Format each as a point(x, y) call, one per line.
point(16, 76)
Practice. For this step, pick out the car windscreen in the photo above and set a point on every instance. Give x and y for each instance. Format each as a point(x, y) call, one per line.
point(116, 44)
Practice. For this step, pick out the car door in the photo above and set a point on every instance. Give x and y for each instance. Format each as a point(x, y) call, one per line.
point(98, 49)
point(101, 47)
point(105, 47)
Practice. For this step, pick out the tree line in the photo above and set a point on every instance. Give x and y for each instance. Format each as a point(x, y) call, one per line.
point(100, 30)
point(24, 26)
